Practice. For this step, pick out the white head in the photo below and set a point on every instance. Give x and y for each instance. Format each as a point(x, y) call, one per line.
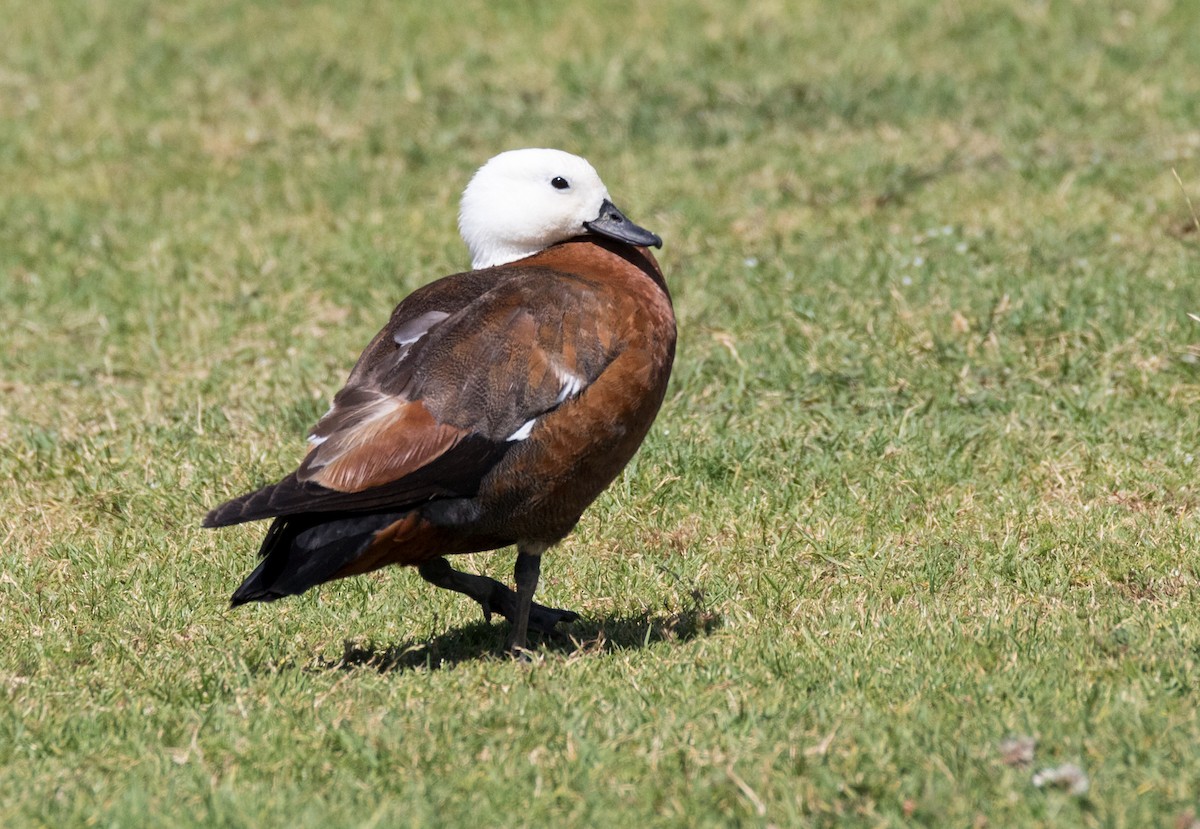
point(524, 201)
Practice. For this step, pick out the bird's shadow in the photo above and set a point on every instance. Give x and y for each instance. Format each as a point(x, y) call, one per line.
point(481, 640)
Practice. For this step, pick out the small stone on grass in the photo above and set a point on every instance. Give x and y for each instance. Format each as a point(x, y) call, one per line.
point(1067, 776)
point(1017, 751)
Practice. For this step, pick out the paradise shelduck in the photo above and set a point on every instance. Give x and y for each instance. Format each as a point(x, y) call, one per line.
point(494, 406)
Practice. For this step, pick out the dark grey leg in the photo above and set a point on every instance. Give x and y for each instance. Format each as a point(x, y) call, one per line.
point(493, 596)
point(526, 574)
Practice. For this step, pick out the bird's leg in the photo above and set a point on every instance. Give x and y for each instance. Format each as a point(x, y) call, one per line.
point(526, 573)
point(492, 596)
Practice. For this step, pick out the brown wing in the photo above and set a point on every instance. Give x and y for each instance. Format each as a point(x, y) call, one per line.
point(462, 372)
point(370, 439)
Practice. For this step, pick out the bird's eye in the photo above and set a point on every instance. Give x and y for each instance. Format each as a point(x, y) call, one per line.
point(559, 183)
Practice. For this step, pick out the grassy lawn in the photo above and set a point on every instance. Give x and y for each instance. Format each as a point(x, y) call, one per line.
point(926, 478)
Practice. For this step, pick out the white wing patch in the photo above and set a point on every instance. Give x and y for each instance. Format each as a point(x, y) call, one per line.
point(572, 385)
point(524, 431)
point(414, 329)
point(315, 438)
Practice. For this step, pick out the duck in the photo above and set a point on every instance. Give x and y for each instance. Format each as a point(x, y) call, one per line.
point(491, 410)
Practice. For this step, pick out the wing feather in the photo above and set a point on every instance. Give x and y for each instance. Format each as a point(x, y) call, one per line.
point(461, 374)
point(385, 440)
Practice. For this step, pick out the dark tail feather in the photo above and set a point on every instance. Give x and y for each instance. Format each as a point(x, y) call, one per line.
point(456, 474)
point(253, 506)
point(300, 552)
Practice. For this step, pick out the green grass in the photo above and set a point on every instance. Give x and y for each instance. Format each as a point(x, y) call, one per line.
point(926, 476)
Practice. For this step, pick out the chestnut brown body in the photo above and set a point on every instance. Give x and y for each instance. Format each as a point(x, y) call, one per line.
point(493, 408)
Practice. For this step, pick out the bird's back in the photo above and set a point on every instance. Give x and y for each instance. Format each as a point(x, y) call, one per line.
point(493, 408)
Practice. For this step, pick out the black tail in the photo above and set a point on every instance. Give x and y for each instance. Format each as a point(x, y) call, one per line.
point(274, 500)
point(303, 551)
point(456, 474)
